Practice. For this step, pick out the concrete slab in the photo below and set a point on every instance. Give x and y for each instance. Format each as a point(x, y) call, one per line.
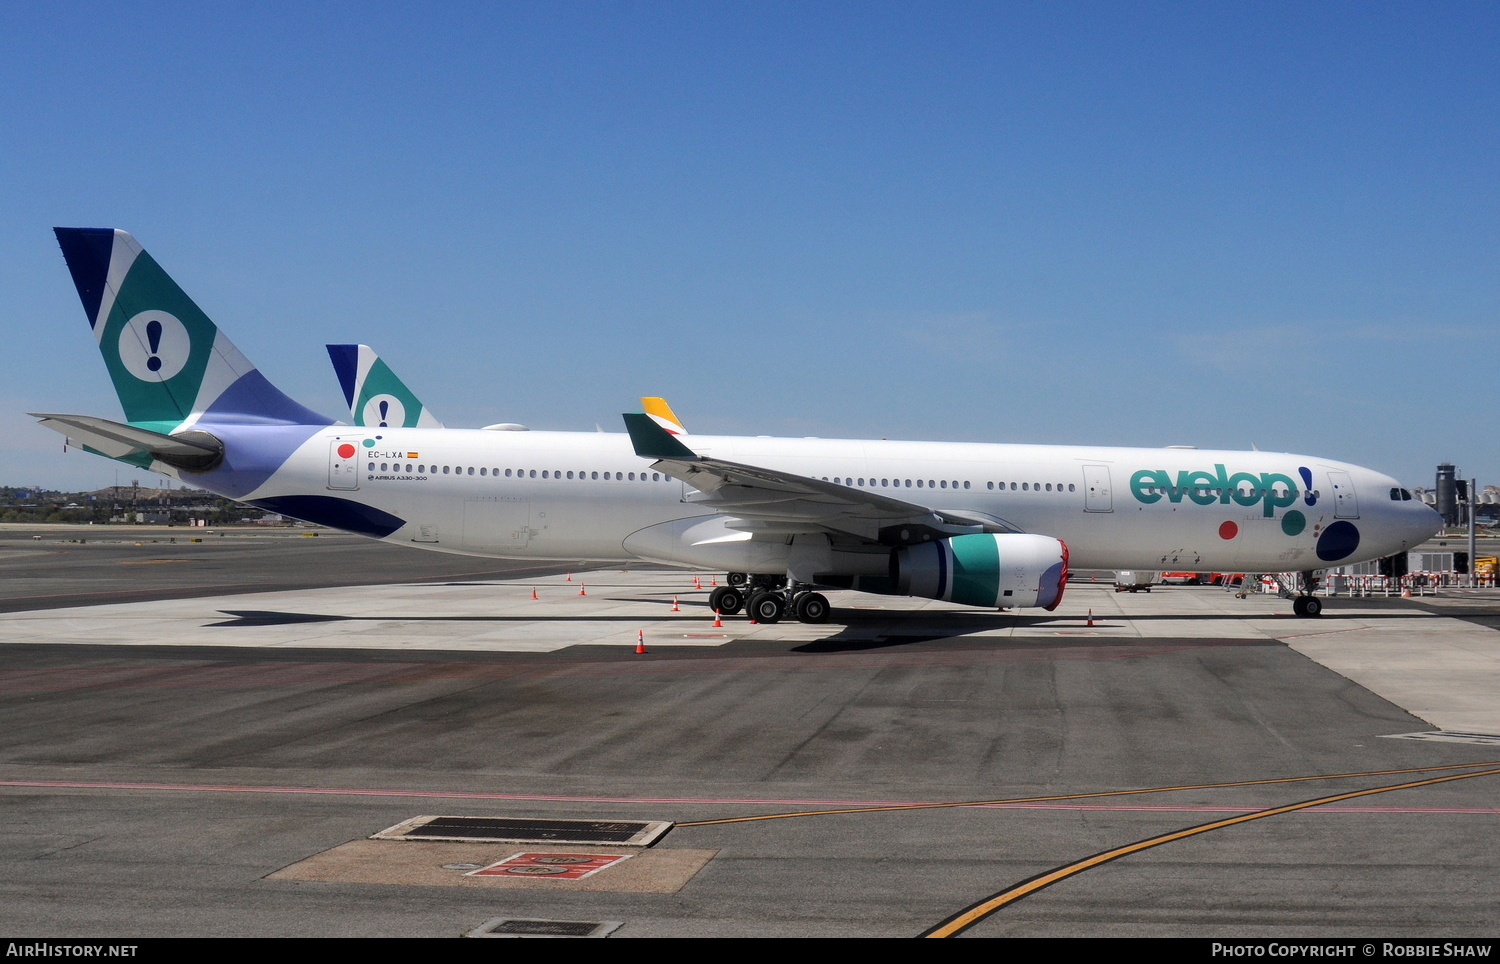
point(1443, 669)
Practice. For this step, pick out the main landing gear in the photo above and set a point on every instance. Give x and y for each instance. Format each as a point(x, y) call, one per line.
point(768, 599)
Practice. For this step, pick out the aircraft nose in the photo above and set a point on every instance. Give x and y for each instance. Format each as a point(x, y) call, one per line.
point(1423, 525)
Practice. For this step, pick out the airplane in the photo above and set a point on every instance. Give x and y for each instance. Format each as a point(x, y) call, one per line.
point(980, 524)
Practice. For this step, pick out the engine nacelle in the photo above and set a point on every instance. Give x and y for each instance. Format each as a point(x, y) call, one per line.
point(989, 569)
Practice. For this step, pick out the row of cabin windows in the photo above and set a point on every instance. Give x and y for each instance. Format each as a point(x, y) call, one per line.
point(1035, 486)
point(423, 469)
point(1205, 490)
point(897, 483)
point(947, 484)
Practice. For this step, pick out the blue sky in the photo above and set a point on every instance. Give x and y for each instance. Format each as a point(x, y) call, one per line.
point(1219, 224)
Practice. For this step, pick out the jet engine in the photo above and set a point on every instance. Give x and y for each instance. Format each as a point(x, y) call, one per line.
point(988, 569)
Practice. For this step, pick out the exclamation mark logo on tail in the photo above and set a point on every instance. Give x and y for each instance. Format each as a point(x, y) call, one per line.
point(384, 411)
point(154, 346)
point(153, 343)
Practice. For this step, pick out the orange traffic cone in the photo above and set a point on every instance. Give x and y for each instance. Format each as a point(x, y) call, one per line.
point(696, 584)
point(640, 640)
point(713, 580)
point(717, 624)
point(674, 605)
point(533, 592)
point(580, 590)
point(1091, 618)
point(570, 577)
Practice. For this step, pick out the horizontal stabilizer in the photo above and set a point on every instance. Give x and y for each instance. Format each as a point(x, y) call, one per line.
point(192, 451)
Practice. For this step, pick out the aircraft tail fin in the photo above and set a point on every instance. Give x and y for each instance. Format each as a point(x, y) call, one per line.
point(661, 413)
point(376, 397)
point(169, 363)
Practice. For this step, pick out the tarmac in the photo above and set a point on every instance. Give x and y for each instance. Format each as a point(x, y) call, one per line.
point(201, 737)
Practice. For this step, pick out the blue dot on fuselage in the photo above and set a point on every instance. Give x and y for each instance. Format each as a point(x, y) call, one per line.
point(1338, 541)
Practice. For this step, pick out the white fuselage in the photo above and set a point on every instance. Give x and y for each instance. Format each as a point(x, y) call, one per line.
point(582, 496)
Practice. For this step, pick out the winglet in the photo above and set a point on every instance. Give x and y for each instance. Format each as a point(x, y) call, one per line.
point(651, 441)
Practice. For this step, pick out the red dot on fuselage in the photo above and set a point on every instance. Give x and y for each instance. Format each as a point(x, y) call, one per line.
point(346, 451)
point(1228, 530)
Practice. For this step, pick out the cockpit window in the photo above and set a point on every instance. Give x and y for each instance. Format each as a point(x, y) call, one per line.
point(1400, 495)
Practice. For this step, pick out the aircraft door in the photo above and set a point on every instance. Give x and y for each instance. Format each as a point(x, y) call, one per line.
point(1096, 494)
point(343, 465)
point(1345, 504)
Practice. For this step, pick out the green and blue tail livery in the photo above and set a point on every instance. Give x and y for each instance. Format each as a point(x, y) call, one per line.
point(170, 364)
point(376, 397)
point(192, 402)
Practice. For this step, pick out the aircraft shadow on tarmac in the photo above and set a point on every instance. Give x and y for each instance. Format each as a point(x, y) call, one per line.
point(862, 629)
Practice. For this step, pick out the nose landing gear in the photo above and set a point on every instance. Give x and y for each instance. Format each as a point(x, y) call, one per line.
point(1307, 605)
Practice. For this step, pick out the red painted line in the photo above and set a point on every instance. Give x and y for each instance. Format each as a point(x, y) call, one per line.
point(435, 794)
point(717, 801)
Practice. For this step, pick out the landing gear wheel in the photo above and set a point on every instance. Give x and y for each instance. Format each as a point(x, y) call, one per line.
point(811, 607)
point(766, 607)
point(736, 579)
point(726, 601)
point(1309, 607)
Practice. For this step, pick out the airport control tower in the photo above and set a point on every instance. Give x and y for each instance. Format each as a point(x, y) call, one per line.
point(1447, 493)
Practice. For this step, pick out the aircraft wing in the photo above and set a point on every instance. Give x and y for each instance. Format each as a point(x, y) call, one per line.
point(771, 501)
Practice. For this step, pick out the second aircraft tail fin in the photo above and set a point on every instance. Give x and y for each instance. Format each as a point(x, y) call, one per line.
point(661, 413)
point(376, 397)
